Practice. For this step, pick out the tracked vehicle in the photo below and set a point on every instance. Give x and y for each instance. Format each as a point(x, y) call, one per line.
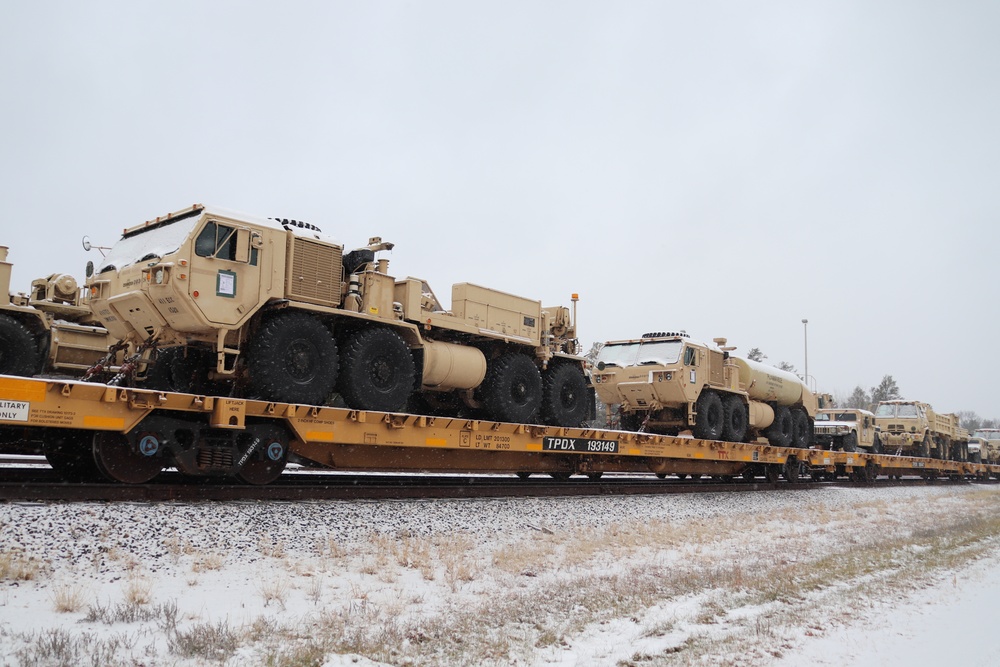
point(276, 310)
point(667, 383)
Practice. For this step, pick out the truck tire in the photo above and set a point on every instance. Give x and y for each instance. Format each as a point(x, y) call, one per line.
point(780, 432)
point(877, 445)
point(293, 359)
point(512, 389)
point(564, 395)
point(376, 371)
point(18, 349)
point(735, 419)
point(924, 448)
point(850, 442)
point(711, 418)
point(632, 421)
point(801, 429)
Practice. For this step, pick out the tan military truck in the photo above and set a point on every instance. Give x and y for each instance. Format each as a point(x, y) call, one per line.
point(989, 444)
point(667, 383)
point(279, 311)
point(913, 428)
point(49, 330)
point(846, 429)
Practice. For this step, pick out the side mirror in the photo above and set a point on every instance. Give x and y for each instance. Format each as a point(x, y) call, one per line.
point(86, 245)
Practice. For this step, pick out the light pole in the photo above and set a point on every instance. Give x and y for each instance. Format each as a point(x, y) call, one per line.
point(805, 335)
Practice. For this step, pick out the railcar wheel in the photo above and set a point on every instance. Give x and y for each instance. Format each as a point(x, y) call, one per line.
point(70, 453)
point(376, 371)
point(735, 419)
point(850, 442)
point(780, 432)
point(801, 429)
point(293, 358)
point(265, 450)
point(711, 418)
point(790, 470)
point(772, 471)
point(681, 475)
point(564, 395)
point(121, 461)
point(18, 350)
point(512, 389)
point(748, 474)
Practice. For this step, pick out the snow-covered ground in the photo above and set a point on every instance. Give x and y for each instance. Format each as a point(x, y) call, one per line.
point(830, 576)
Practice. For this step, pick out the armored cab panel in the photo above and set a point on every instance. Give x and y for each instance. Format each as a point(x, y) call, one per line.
point(314, 271)
point(497, 312)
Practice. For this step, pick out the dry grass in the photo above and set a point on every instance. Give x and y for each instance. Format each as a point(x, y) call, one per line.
point(68, 599)
point(16, 566)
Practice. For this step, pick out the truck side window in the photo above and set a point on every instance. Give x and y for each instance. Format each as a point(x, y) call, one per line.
point(689, 356)
point(219, 241)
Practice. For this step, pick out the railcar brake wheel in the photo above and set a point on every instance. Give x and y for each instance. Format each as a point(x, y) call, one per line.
point(121, 461)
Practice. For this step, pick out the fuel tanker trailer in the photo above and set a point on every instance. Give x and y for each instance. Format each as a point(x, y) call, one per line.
point(667, 383)
point(276, 310)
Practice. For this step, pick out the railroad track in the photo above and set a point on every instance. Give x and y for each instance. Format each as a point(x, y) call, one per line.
point(39, 483)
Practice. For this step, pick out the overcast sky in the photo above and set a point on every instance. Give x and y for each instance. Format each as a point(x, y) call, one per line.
point(728, 168)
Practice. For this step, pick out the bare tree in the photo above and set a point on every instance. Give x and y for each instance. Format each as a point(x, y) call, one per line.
point(887, 390)
point(755, 354)
point(969, 419)
point(859, 399)
point(785, 366)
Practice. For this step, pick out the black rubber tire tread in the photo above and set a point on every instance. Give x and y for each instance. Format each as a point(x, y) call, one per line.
point(376, 371)
point(512, 389)
point(801, 429)
point(292, 358)
point(780, 432)
point(70, 454)
point(631, 421)
point(736, 420)
point(850, 442)
point(877, 445)
point(564, 395)
point(711, 419)
point(159, 371)
point(18, 349)
point(923, 450)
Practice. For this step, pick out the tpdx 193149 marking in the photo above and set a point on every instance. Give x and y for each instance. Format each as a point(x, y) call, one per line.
point(551, 444)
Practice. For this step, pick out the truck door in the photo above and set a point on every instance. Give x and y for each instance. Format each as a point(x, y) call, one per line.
point(225, 277)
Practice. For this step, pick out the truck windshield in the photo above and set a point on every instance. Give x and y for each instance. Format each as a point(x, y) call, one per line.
point(886, 410)
point(148, 244)
point(987, 434)
point(634, 354)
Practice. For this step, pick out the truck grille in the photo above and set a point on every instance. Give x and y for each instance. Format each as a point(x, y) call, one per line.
point(314, 272)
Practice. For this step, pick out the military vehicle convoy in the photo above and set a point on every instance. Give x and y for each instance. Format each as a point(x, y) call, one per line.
point(846, 429)
point(667, 383)
point(48, 331)
point(914, 429)
point(276, 310)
